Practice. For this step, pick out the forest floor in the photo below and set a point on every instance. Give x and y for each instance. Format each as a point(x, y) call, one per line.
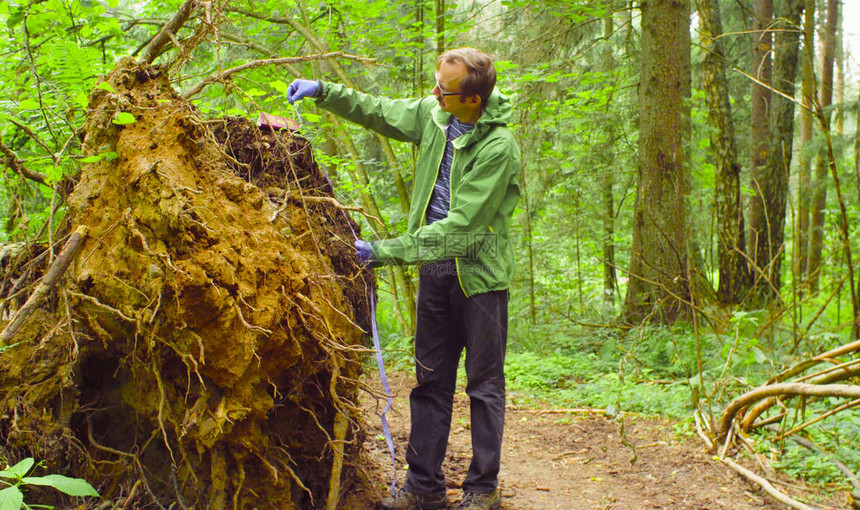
point(586, 461)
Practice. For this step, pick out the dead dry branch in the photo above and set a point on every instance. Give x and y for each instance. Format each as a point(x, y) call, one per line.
point(799, 386)
point(17, 166)
point(225, 75)
point(70, 251)
point(168, 31)
point(767, 486)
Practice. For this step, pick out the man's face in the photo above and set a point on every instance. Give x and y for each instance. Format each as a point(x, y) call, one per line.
point(447, 91)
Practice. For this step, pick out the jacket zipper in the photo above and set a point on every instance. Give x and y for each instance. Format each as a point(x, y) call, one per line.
point(430, 195)
point(450, 195)
point(427, 203)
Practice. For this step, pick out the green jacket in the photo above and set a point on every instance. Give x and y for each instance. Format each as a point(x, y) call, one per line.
point(484, 184)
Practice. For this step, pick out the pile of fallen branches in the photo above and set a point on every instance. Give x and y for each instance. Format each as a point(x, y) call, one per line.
point(776, 405)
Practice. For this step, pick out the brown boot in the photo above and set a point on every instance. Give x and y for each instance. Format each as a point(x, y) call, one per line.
point(481, 501)
point(405, 500)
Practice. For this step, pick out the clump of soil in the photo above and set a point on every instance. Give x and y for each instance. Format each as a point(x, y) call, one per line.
point(205, 346)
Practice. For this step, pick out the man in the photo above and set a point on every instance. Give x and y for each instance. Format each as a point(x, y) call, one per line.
point(464, 194)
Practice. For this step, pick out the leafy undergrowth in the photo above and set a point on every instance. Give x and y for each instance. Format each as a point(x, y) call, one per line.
point(570, 381)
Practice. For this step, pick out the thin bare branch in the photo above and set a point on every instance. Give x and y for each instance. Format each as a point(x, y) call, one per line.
point(766, 485)
point(775, 90)
point(811, 362)
point(222, 76)
point(33, 135)
point(847, 405)
point(168, 31)
point(326, 200)
point(70, 250)
point(845, 371)
point(15, 164)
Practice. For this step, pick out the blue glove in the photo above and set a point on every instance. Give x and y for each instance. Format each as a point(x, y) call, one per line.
point(299, 89)
point(365, 254)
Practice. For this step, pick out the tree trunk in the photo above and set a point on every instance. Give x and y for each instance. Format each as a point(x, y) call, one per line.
point(857, 152)
point(804, 171)
point(759, 126)
point(772, 183)
point(607, 179)
point(440, 27)
point(659, 287)
point(730, 228)
point(418, 63)
point(819, 199)
point(839, 86)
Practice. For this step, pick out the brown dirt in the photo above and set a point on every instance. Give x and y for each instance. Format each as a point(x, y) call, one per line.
point(203, 349)
point(575, 461)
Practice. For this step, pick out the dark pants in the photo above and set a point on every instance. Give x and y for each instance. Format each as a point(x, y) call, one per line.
point(447, 322)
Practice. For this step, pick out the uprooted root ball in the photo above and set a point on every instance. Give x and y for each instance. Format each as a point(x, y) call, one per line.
point(205, 345)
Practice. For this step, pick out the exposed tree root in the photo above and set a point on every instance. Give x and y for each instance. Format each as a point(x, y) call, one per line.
point(215, 351)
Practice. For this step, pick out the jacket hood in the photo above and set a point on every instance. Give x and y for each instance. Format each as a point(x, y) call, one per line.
point(498, 112)
point(499, 109)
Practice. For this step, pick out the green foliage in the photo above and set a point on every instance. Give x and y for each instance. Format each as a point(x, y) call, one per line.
point(580, 380)
point(123, 118)
point(801, 462)
point(533, 371)
point(12, 497)
point(51, 56)
point(835, 439)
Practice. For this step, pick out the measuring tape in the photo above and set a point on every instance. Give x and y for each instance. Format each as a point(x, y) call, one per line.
point(386, 430)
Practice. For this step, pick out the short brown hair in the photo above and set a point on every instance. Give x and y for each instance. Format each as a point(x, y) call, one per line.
point(481, 77)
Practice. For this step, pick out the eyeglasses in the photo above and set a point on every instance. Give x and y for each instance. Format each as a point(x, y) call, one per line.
point(443, 93)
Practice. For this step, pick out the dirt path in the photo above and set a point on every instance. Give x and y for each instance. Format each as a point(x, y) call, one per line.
point(553, 460)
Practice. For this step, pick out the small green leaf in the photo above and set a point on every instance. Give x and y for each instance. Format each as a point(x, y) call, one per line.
point(18, 470)
point(11, 498)
point(123, 118)
point(310, 117)
point(760, 356)
point(504, 65)
point(7, 347)
point(16, 17)
point(64, 484)
point(105, 86)
point(279, 86)
point(255, 92)
point(29, 104)
point(81, 99)
point(110, 156)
